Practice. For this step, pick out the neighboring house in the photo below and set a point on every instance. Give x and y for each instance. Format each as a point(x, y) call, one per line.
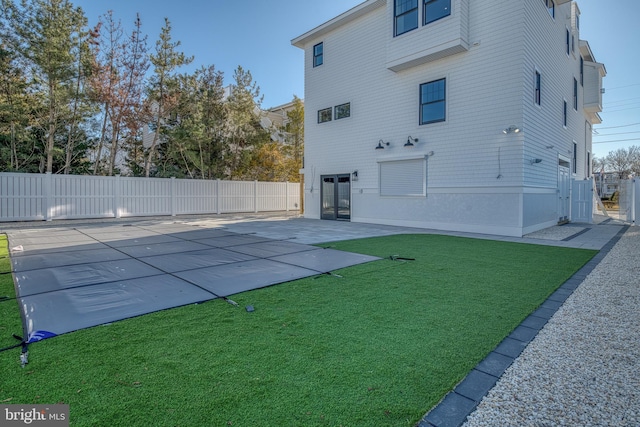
point(607, 183)
point(469, 115)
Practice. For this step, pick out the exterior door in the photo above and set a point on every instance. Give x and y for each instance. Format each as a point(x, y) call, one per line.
point(336, 197)
point(564, 190)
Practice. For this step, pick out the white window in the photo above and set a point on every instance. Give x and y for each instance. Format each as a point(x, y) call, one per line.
point(405, 177)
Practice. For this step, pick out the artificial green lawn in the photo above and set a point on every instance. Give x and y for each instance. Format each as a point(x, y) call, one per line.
point(378, 346)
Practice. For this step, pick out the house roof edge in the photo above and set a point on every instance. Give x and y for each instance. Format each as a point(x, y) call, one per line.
point(344, 18)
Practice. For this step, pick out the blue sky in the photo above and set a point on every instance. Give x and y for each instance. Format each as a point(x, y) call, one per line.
point(256, 34)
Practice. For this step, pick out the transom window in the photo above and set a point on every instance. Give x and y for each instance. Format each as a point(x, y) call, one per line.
point(318, 54)
point(436, 9)
point(342, 111)
point(324, 115)
point(433, 102)
point(406, 16)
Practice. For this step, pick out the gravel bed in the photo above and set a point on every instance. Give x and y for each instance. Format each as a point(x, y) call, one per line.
point(583, 368)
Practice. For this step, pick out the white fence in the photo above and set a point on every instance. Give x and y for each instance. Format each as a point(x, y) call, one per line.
point(629, 200)
point(32, 197)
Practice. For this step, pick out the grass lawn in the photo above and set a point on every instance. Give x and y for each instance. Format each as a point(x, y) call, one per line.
point(378, 346)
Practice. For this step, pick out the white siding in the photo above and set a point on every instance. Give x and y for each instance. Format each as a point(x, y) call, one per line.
point(478, 178)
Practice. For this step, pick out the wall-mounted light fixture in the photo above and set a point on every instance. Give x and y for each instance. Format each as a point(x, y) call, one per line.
point(354, 175)
point(549, 147)
point(430, 153)
point(533, 161)
point(410, 141)
point(511, 129)
point(381, 145)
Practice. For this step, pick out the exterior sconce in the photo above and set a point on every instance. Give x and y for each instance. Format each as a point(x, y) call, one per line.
point(533, 161)
point(381, 145)
point(511, 129)
point(354, 175)
point(410, 141)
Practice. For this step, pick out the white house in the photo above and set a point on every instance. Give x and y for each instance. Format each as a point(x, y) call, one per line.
point(468, 115)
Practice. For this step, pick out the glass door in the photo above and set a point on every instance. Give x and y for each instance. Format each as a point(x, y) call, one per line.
point(336, 197)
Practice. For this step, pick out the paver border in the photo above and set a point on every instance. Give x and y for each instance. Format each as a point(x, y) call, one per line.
point(458, 404)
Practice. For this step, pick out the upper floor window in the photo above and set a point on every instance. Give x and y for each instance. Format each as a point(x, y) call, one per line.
point(342, 111)
point(406, 16)
point(581, 71)
point(318, 54)
point(564, 113)
point(575, 157)
point(551, 7)
point(575, 94)
point(324, 115)
point(432, 102)
point(537, 94)
point(568, 42)
point(436, 9)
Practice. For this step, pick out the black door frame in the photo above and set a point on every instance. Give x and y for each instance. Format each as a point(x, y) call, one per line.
point(336, 209)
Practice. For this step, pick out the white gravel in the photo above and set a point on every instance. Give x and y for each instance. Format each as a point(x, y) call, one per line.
point(583, 368)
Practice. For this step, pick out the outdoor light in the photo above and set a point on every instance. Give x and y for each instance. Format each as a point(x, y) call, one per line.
point(536, 161)
point(381, 145)
point(410, 141)
point(512, 128)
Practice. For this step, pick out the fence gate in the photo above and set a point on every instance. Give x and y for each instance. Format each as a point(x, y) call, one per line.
point(582, 201)
point(629, 200)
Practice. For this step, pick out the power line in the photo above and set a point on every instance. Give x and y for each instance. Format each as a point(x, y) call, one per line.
point(616, 133)
point(621, 126)
point(616, 140)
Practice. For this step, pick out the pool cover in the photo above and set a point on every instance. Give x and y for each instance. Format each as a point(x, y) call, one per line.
point(74, 278)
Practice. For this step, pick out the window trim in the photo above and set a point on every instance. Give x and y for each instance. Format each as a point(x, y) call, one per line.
point(424, 12)
point(335, 111)
point(443, 100)
point(396, 16)
point(329, 110)
point(318, 59)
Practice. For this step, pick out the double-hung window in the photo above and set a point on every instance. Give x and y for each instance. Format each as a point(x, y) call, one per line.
point(564, 113)
point(581, 71)
point(318, 54)
point(568, 42)
point(575, 94)
point(436, 9)
point(433, 102)
point(406, 16)
point(537, 94)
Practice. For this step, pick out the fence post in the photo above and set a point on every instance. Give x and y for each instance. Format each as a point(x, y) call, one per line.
point(287, 198)
point(218, 211)
point(116, 196)
point(255, 196)
point(48, 181)
point(173, 195)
